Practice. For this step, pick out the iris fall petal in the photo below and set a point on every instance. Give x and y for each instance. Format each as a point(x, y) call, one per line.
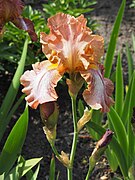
point(39, 84)
point(99, 90)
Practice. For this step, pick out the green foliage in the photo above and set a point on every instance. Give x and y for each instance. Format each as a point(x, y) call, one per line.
point(113, 40)
point(119, 120)
point(23, 167)
point(130, 63)
point(14, 143)
point(119, 90)
point(132, 5)
point(114, 145)
point(12, 92)
point(52, 169)
point(72, 7)
point(122, 148)
point(12, 43)
point(16, 138)
point(133, 40)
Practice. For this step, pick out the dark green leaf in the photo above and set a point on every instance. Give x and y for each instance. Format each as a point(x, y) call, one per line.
point(113, 40)
point(130, 63)
point(119, 93)
point(52, 169)
point(12, 91)
point(119, 128)
point(14, 143)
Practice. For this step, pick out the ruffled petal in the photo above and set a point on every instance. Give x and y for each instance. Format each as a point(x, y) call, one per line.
point(39, 84)
point(99, 90)
point(74, 45)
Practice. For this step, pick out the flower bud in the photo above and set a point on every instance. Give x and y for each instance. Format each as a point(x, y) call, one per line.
point(64, 159)
point(99, 149)
point(105, 140)
point(84, 119)
point(49, 114)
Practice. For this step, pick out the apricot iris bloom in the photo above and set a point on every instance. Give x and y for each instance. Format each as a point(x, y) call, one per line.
point(10, 10)
point(70, 48)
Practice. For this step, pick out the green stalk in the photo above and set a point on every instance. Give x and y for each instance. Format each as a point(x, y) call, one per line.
point(74, 143)
point(55, 150)
point(89, 172)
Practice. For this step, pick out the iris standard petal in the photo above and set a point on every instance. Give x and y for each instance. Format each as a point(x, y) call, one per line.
point(39, 84)
point(72, 41)
point(99, 90)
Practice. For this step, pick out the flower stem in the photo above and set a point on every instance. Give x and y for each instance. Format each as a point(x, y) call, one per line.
point(89, 172)
point(55, 150)
point(74, 143)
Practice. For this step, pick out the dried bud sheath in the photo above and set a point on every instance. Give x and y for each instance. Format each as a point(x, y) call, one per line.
point(84, 119)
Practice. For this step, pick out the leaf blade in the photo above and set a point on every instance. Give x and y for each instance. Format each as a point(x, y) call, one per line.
point(119, 93)
point(119, 129)
point(14, 143)
point(113, 40)
point(12, 91)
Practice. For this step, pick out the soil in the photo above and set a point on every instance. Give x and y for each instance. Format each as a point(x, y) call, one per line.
point(36, 144)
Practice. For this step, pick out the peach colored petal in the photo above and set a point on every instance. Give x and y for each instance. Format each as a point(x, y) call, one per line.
point(39, 84)
point(99, 90)
point(73, 43)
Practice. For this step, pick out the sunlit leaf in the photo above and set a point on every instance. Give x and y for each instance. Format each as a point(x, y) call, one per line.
point(113, 40)
point(14, 143)
point(119, 128)
point(12, 91)
point(130, 63)
point(119, 91)
point(52, 169)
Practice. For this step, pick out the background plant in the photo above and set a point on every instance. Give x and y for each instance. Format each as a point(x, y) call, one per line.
point(13, 145)
point(12, 43)
point(120, 118)
point(72, 7)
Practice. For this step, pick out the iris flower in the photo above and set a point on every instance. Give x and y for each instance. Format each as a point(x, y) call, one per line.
point(70, 48)
point(10, 10)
